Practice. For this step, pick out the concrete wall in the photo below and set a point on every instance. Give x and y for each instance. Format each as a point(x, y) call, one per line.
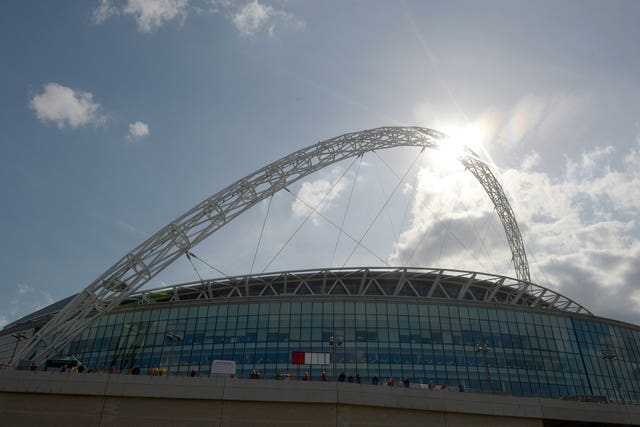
point(42, 398)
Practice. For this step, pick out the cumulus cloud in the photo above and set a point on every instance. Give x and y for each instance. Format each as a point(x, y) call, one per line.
point(591, 242)
point(252, 17)
point(3, 321)
point(65, 106)
point(149, 14)
point(580, 228)
point(448, 207)
point(219, 6)
point(318, 194)
point(248, 17)
point(531, 160)
point(105, 10)
point(137, 130)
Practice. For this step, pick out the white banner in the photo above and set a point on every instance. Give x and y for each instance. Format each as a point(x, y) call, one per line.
point(317, 359)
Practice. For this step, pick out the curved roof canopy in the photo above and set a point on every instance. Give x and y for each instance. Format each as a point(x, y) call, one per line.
point(415, 283)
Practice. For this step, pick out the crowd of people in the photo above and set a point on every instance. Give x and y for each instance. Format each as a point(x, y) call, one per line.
point(79, 369)
point(342, 377)
point(256, 374)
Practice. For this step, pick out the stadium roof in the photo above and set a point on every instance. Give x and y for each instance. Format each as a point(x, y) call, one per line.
point(415, 283)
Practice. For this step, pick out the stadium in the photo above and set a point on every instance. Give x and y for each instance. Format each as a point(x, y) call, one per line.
point(427, 327)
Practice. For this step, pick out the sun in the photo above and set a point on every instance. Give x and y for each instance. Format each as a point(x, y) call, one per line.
point(471, 136)
point(460, 138)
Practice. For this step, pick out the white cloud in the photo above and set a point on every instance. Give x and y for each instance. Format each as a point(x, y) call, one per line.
point(152, 14)
point(137, 130)
point(531, 160)
point(218, 6)
point(579, 224)
point(25, 289)
point(448, 209)
point(66, 107)
point(149, 14)
point(254, 17)
point(104, 11)
point(318, 194)
point(25, 300)
point(632, 159)
point(580, 228)
point(249, 18)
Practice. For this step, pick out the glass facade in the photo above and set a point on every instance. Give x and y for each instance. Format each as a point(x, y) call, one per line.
point(531, 352)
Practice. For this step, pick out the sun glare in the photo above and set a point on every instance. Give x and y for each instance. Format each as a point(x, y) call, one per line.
point(471, 136)
point(453, 148)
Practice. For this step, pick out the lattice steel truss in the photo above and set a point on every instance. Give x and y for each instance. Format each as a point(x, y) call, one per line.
point(414, 283)
point(152, 256)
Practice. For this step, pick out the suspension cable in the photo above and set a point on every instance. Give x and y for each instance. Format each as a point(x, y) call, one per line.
point(313, 210)
point(194, 266)
point(505, 268)
point(384, 195)
point(192, 255)
point(261, 232)
point(500, 232)
point(353, 239)
point(383, 206)
point(344, 217)
point(406, 206)
point(447, 231)
point(414, 191)
point(473, 240)
point(542, 273)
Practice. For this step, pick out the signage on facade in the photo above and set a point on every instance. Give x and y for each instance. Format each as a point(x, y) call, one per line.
point(308, 358)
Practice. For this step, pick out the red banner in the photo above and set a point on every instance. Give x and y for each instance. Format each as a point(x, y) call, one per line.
point(297, 358)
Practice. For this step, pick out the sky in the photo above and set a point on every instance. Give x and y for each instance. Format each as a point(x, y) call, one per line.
point(116, 116)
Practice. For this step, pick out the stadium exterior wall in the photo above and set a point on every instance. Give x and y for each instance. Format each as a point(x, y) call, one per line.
point(531, 351)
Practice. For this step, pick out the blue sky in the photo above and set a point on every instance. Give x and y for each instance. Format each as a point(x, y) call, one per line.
point(118, 116)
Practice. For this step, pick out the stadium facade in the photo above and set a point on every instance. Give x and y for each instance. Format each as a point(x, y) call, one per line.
point(485, 332)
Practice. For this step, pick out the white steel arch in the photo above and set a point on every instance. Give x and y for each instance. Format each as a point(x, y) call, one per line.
point(153, 255)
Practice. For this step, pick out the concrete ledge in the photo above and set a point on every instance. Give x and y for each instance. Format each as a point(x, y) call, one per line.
point(591, 412)
point(280, 391)
point(53, 383)
point(227, 400)
point(163, 387)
